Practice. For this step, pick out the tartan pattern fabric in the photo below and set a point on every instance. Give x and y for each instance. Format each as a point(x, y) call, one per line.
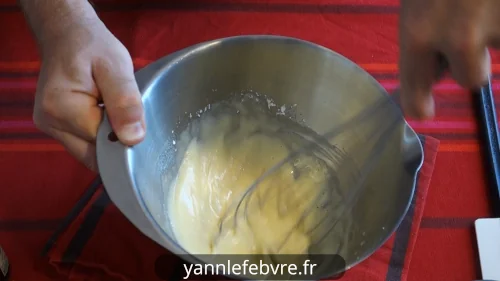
point(101, 243)
point(41, 183)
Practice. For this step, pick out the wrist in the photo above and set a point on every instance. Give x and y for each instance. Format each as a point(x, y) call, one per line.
point(55, 19)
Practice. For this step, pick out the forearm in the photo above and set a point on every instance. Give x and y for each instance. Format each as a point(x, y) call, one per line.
point(50, 19)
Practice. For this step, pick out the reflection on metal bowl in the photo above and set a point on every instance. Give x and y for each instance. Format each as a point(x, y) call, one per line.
point(327, 88)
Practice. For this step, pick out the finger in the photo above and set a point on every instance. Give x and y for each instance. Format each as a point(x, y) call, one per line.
point(469, 64)
point(79, 114)
point(83, 116)
point(68, 101)
point(116, 83)
point(418, 71)
point(82, 150)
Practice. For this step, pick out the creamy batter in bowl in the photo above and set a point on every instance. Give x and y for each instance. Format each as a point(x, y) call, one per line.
point(213, 208)
point(310, 83)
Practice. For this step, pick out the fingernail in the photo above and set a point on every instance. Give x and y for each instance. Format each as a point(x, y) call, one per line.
point(131, 133)
point(427, 108)
point(425, 111)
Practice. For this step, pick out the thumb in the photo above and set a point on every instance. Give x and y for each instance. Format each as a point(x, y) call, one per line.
point(114, 77)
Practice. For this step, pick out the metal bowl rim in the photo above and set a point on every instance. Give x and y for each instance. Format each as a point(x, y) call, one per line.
point(174, 58)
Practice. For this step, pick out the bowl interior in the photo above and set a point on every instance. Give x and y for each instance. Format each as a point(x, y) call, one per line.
point(327, 89)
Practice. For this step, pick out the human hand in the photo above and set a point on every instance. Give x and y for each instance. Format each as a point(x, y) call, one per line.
point(457, 30)
point(82, 67)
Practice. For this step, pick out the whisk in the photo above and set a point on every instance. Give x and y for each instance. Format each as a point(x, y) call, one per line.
point(334, 196)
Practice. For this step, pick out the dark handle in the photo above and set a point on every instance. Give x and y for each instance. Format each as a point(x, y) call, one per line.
point(485, 107)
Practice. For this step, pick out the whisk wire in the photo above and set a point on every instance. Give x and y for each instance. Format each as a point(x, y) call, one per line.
point(364, 172)
point(335, 159)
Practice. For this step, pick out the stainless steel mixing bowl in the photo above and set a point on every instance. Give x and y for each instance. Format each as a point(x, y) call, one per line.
point(327, 88)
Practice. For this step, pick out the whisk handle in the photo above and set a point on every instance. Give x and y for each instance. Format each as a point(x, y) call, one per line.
point(485, 107)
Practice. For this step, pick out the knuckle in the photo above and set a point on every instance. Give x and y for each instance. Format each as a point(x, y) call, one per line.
point(464, 42)
point(45, 110)
point(104, 63)
point(466, 46)
point(123, 58)
point(123, 51)
point(49, 106)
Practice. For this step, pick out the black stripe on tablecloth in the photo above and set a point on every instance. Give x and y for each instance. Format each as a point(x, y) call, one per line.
point(73, 214)
point(402, 237)
point(86, 230)
point(447, 223)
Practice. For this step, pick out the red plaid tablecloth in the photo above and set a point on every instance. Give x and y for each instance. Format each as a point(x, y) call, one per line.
point(100, 242)
point(40, 183)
